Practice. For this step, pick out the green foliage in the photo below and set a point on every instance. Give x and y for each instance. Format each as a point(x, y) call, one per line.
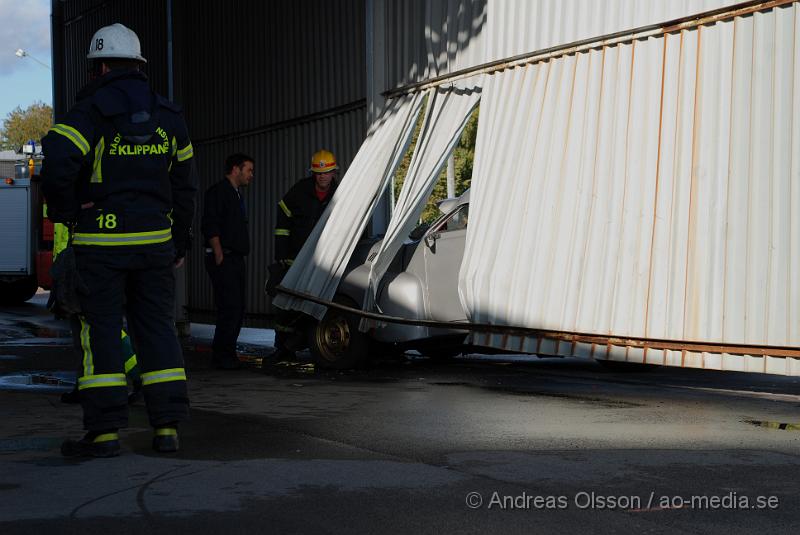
point(464, 155)
point(20, 125)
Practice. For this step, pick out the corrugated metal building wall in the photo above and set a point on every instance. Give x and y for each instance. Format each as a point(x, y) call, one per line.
point(79, 19)
point(276, 80)
point(431, 38)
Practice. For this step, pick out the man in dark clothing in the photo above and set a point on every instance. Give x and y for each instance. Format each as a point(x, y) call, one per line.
point(227, 244)
point(119, 172)
point(298, 213)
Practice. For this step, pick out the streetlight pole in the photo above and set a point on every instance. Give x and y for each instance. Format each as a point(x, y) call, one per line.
point(20, 53)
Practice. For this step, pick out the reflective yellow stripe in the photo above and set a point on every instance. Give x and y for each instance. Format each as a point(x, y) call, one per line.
point(88, 365)
point(60, 238)
point(289, 261)
point(73, 135)
point(282, 232)
point(285, 208)
point(130, 238)
point(102, 381)
point(106, 437)
point(97, 171)
point(130, 363)
point(166, 432)
point(185, 153)
point(163, 376)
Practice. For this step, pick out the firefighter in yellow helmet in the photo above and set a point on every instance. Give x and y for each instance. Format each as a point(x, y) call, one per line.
point(297, 214)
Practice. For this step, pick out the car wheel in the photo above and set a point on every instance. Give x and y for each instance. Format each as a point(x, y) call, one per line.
point(335, 341)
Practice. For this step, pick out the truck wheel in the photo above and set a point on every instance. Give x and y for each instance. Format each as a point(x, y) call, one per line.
point(336, 343)
point(19, 291)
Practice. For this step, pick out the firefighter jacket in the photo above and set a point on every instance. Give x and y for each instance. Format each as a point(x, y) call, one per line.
point(127, 150)
point(298, 213)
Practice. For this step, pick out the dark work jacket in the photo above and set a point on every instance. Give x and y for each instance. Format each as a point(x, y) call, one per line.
point(224, 216)
point(298, 212)
point(127, 150)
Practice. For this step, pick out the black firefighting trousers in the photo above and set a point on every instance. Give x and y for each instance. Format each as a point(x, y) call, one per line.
point(139, 282)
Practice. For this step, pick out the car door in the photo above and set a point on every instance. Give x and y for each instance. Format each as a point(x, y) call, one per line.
point(443, 250)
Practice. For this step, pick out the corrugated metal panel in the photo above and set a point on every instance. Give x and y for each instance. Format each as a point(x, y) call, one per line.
point(281, 61)
point(320, 263)
point(520, 26)
point(655, 184)
point(432, 38)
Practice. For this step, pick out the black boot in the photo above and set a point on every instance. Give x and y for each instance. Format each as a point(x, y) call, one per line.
point(94, 444)
point(165, 439)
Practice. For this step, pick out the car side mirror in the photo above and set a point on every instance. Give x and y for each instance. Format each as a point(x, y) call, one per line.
point(430, 241)
point(419, 231)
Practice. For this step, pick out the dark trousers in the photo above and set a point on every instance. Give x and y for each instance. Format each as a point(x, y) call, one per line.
point(228, 283)
point(141, 284)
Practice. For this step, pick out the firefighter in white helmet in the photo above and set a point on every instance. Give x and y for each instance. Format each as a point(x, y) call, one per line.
point(297, 214)
point(119, 172)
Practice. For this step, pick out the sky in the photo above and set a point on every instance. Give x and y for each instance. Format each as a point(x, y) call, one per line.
point(24, 24)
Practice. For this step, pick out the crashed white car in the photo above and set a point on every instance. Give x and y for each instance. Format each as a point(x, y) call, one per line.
point(420, 284)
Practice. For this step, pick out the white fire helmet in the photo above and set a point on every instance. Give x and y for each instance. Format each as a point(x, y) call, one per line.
point(115, 41)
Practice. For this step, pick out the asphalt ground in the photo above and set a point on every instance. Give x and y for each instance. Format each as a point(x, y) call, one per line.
point(474, 445)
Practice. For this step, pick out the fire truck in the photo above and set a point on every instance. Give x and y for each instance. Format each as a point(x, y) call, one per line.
point(26, 234)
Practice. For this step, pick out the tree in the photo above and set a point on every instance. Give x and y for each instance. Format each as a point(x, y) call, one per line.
point(464, 155)
point(20, 125)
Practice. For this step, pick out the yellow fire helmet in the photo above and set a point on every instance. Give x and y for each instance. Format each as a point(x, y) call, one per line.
point(323, 161)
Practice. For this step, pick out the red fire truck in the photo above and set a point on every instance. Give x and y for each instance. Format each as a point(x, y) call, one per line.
point(26, 234)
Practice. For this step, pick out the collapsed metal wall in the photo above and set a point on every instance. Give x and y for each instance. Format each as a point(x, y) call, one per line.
point(275, 80)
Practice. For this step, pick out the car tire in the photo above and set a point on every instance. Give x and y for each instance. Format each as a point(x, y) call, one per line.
point(19, 291)
point(335, 341)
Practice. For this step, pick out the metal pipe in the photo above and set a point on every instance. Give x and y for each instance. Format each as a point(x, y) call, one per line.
point(602, 41)
point(56, 57)
point(563, 336)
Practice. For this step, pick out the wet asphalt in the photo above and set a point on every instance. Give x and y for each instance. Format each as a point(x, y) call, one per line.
point(474, 445)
